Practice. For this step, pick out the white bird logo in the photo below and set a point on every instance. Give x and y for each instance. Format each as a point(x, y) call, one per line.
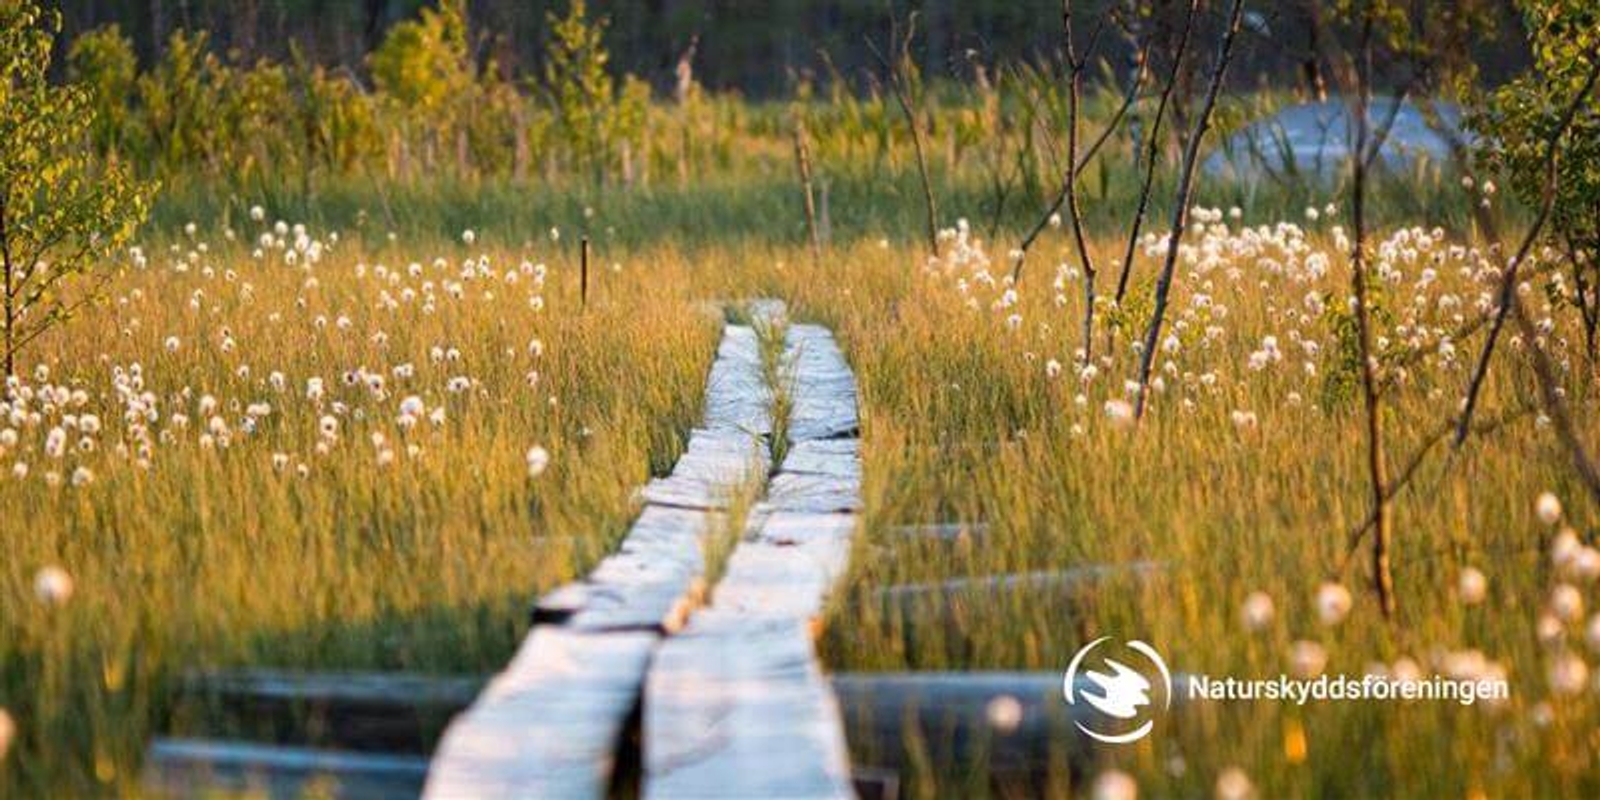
point(1120, 694)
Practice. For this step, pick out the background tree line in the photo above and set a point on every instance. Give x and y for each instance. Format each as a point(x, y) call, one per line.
point(756, 48)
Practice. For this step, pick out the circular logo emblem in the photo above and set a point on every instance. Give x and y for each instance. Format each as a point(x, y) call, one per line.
point(1115, 697)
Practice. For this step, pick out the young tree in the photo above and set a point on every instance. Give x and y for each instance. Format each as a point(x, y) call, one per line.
point(580, 86)
point(905, 83)
point(61, 212)
point(102, 61)
point(1517, 126)
point(425, 67)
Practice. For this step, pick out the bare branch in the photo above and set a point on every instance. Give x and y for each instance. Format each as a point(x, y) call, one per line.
point(1180, 211)
point(900, 52)
point(1077, 166)
point(1153, 151)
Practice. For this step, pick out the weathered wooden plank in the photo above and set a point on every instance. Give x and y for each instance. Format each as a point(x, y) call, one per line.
point(950, 532)
point(986, 587)
point(787, 570)
point(651, 582)
point(185, 768)
point(824, 388)
point(1011, 724)
point(737, 396)
point(550, 724)
point(365, 711)
point(814, 493)
point(737, 707)
point(839, 458)
point(1003, 720)
point(716, 464)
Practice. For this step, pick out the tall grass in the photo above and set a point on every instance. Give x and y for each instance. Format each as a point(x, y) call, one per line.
point(962, 422)
point(217, 557)
point(419, 551)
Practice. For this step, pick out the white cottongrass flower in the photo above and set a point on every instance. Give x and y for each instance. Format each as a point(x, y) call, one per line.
point(1566, 602)
point(1548, 507)
point(538, 461)
point(55, 443)
point(1114, 785)
point(1564, 548)
point(1257, 611)
point(1234, 784)
point(468, 237)
point(1472, 586)
point(1548, 630)
point(412, 407)
point(1004, 713)
point(1568, 674)
point(1307, 659)
point(52, 585)
point(1120, 412)
point(1333, 603)
point(82, 477)
point(1586, 564)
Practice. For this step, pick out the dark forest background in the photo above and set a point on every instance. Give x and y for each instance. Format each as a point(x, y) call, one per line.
point(756, 47)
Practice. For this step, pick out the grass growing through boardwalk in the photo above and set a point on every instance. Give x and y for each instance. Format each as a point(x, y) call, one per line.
point(335, 454)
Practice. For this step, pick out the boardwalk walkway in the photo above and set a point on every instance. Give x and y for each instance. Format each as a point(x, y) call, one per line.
point(734, 703)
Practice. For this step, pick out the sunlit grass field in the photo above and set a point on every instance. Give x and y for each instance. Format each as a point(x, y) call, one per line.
point(1243, 484)
point(330, 453)
point(211, 515)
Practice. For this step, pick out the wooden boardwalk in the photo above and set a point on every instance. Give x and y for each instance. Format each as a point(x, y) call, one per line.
point(551, 723)
point(736, 704)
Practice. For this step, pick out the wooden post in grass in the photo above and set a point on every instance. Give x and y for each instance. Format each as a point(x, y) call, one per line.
point(802, 157)
point(583, 271)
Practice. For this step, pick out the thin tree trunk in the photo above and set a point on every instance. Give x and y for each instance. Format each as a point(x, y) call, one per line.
point(1544, 369)
point(930, 204)
point(1382, 575)
point(10, 301)
point(1074, 83)
point(1153, 150)
point(1316, 85)
point(1180, 210)
point(1075, 168)
point(896, 63)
